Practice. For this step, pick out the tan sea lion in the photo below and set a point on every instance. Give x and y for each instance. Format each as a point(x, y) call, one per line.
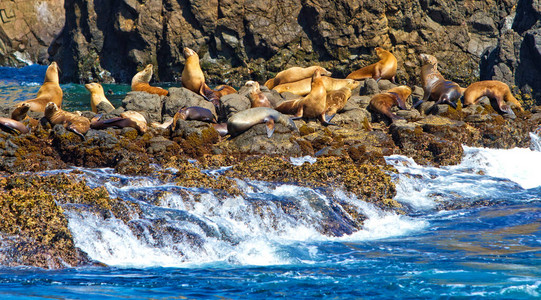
point(49, 91)
point(12, 126)
point(495, 90)
point(435, 87)
point(312, 105)
point(129, 118)
point(244, 120)
point(223, 90)
point(383, 69)
point(303, 87)
point(97, 96)
point(383, 102)
point(295, 74)
point(193, 77)
point(72, 121)
point(140, 82)
point(336, 100)
point(257, 98)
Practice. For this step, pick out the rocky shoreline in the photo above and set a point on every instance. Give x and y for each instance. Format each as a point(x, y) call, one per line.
point(349, 156)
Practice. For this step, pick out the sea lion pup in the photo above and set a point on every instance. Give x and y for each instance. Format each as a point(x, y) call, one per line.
point(127, 119)
point(49, 91)
point(72, 121)
point(12, 126)
point(244, 120)
point(336, 100)
point(97, 96)
point(494, 90)
point(303, 87)
point(295, 74)
point(383, 102)
point(257, 98)
point(21, 114)
point(385, 68)
point(435, 87)
point(140, 82)
point(312, 105)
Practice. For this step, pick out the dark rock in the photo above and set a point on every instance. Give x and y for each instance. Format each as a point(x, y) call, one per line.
point(234, 103)
point(370, 87)
point(182, 97)
point(149, 105)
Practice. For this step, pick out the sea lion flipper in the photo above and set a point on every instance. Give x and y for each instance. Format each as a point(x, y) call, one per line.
point(270, 126)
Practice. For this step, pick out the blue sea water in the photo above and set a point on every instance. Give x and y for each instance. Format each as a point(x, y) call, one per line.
point(195, 244)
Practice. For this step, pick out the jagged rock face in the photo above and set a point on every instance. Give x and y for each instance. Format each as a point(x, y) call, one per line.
point(27, 28)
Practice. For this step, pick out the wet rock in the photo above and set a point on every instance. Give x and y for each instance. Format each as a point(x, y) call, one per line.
point(149, 105)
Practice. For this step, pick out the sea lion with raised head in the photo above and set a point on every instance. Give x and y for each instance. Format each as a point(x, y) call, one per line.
point(257, 98)
point(72, 121)
point(97, 96)
point(193, 78)
point(385, 68)
point(494, 90)
point(336, 100)
point(140, 82)
point(303, 87)
point(49, 91)
point(435, 87)
point(383, 102)
point(295, 74)
point(21, 114)
point(244, 120)
point(312, 105)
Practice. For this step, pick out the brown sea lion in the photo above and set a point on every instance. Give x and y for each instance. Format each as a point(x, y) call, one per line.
point(21, 114)
point(494, 90)
point(383, 69)
point(129, 118)
point(312, 105)
point(12, 126)
point(244, 120)
point(383, 102)
point(140, 82)
point(257, 98)
point(223, 90)
point(49, 91)
point(336, 100)
point(295, 74)
point(303, 87)
point(194, 113)
point(435, 87)
point(97, 96)
point(72, 121)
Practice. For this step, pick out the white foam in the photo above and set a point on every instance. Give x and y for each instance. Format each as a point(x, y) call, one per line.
point(298, 161)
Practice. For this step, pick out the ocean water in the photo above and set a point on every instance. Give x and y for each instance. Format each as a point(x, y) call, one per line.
point(195, 244)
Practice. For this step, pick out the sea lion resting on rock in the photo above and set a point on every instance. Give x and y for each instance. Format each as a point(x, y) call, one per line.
point(383, 69)
point(312, 105)
point(257, 98)
point(129, 118)
point(72, 121)
point(49, 91)
point(303, 87)
point(193, 113)
point(97, 96)
point(435, 87)
point(244, 120)
point(295, 74)
point(383, 102)
point(336, 100)
point(495, 90)
point(12, 126)
point(21, 114)
point(140, 82)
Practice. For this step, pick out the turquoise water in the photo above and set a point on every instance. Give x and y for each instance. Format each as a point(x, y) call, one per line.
point(196, 244)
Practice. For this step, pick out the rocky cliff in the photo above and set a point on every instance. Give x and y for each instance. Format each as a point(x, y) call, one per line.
point(27, 28)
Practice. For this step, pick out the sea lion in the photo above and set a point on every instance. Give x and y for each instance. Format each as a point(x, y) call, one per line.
point(303, 87)
point(336, 100)
point(223, 90)
point(435, 87)
point(194, 79)
point(383, 102)
point(140, 82)
point(194, 113)
point(244, 120)
point(494, 90)
point(49, 91)
point(72, 121)
point(385, 68)
point(21, 114)
point(12, 126)
point(295, 74)
point(127, 119)
point(257, 98)
point(221, 128)
point(97, 96)
point(312, 105)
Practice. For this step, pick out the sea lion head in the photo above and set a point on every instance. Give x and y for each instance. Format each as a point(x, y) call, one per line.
point(50, 109)
point(94, 87)
point(324, 72)
point(20, 111)
point(51, 75)
point(189, 53)
point(427, 59)
point(352, 84)
point(254, 86)
point(143, 76)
